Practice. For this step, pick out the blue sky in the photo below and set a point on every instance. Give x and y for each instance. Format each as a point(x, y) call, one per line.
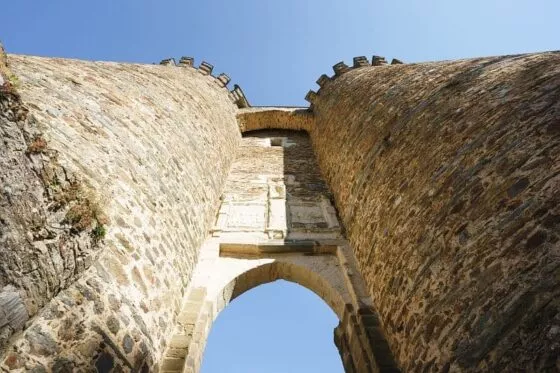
point(279, 327)
point(276, 50)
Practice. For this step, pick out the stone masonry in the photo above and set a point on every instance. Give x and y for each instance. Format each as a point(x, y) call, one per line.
point(276, 221)
point(420, 201)
point(446, 176)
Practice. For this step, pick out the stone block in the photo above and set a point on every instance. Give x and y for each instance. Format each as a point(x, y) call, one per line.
point(197, 295)
point(310, 97)
point(378, 61)
point(205, 68)
point(223, 80)
point(323, 79)
point(340, 68)
point(361, 61)
point(186, 62)
point(173, 364)
point(168, 62)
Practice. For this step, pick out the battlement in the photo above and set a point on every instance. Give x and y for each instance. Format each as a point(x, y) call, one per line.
point(205, 68)
point(341, 68)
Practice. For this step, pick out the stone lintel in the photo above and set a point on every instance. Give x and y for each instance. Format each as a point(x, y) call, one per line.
point(259, 248)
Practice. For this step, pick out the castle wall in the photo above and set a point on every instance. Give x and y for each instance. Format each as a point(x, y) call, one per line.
point(275, 191)
point(446, 177)
point(276, 221)
point(154, 144)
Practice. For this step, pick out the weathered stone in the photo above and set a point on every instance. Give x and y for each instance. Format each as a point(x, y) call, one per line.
point(186, 61)
point(62, 365)
point(212, 115)
point(444, 174)
point(222, 80)
point(168, 62)
point(378, 61)
point(361, 61)
point(41, 342)
point(127, 344)
point(461, 155)
point(311, 96)
point(205, 68)
point(113, 324)
point(340, 68)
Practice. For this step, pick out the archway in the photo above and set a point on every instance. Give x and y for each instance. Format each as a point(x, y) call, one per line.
point(277, 221)
point(326, 270)
point(276, 328)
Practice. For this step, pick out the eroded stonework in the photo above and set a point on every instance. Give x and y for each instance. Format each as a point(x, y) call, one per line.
point(276, 221)
point(444, 255)
point(275, 190)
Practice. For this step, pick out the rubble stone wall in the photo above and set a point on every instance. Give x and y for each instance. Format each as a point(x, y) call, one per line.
point(447, 176)
point(155, 144)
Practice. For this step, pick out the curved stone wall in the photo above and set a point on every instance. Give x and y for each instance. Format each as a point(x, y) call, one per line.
point(446, 176)
point(154, 143)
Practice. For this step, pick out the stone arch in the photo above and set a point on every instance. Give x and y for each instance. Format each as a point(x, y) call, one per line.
point(279, 269)
point(226, 271)
point(279, 118)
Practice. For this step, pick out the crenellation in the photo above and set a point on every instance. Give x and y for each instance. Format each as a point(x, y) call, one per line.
point(222, 80)
point(378, 61)
point(168, 62)
point(205, 68)
point(340, 68)
point(186, 61)
point(310, 97)
point(360, 61)
point(323, 79)
point(239, 98)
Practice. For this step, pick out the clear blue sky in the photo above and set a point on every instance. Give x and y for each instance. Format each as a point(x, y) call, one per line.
point(279, 327)
point(276, 50)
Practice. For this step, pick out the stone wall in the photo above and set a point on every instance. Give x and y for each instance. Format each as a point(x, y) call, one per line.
point(50, 226)
point(275, 190)
point(155, 144)
point(446, 176)
point(276, 221)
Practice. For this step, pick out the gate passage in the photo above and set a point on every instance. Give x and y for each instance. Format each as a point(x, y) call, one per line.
point(277, 221)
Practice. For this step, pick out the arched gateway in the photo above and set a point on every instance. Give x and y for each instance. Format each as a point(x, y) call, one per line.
point(117, 221)
point(276, 221)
